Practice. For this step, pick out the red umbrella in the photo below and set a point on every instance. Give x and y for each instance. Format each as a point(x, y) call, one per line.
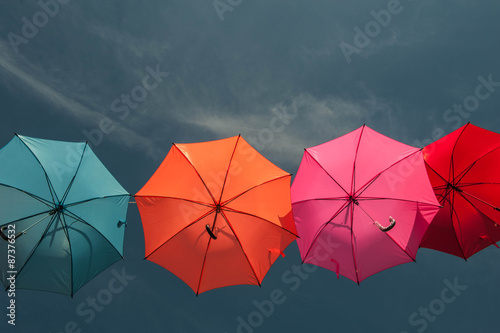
point(216, 214)
point(464, 171)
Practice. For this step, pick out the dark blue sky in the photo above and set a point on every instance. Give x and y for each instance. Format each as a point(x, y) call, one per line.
point(132, 77)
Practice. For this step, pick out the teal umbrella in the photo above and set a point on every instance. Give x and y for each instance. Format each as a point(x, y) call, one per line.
point(62, 215)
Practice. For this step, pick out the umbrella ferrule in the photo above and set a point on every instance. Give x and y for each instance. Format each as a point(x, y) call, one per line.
point(58, 208)
point(455, 187)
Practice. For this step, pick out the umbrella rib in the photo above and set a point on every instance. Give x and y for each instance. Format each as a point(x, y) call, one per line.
point(174, 198)
point(353, 179)
point(386, 233)
point(374, 178)
point(258, 217)
point(96, 198)
point(254, 187)
point(204, 261)
point(42, 200)
point(84, 222)
point(199, 176)
point(241, 246)
point(481, 200)
point(51, 187)
point(323, 227)
point(228, 167)
point(428, 165)
point(451, 170)
point(79, 219)
point(352, 243)
point(65, 228)
point(398, 199)
point(319, 164)
point(473, 163)
point(481, 183)
point(454, 213)
point(74, 176)
point(37, 244)
point(477, 209)
point(320, 199)
point(463, 173)
point(27, 217)
point(178, 232)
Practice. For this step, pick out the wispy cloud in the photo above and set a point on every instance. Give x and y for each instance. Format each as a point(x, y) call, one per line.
point(330, 117)
point(68, 105)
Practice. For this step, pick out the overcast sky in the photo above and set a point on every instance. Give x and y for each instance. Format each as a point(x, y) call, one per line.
point(131, 77)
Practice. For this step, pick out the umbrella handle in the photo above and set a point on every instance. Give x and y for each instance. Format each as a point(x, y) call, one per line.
point(389, 227)
point(4, 236)
point(209, 230)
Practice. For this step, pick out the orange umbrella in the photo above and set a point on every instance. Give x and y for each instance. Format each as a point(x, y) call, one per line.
point(216, 214)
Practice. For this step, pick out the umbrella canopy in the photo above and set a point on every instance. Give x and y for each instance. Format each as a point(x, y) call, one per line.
point(361, 203)
point(216, 214)
point(64, 210)
point(464, 168)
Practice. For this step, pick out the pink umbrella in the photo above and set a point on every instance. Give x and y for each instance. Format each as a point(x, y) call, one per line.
point(361, 203)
